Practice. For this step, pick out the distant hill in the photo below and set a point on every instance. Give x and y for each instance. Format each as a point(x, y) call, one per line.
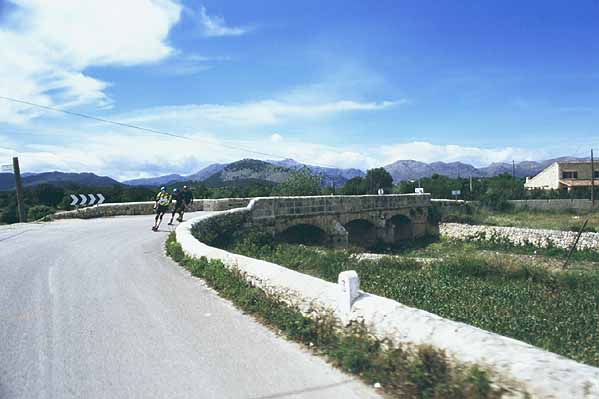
point(208, 171)
point(248, 169)
point(155, 181)
point(273, 172)
point(410, 170)
point(7, 181)
point(330, 176)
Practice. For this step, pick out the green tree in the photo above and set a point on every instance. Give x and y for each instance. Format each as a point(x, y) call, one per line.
point(378, 178)
point(354, 186)
point(39, 211)
point(48, 194)
point(300, 183)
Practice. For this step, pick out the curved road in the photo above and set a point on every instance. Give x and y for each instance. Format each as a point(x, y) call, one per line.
point(94, 309)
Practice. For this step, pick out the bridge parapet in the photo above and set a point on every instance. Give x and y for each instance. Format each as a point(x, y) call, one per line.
point(361, 220)
point(274, 207)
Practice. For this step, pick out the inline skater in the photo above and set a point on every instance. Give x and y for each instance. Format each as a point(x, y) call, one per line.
point(179, 205)
point(163, 201)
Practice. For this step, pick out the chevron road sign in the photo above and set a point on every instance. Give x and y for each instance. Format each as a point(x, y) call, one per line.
point(86, 199)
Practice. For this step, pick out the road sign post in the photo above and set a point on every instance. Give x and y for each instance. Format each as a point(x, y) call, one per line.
point(86, 199)
point(19, 189)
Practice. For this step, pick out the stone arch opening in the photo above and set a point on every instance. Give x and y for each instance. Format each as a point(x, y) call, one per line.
point(403, 228)
point(362, 233)
point(306, 234)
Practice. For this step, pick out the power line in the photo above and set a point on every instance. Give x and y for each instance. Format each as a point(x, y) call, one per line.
point(154, 131)
point(92, 117)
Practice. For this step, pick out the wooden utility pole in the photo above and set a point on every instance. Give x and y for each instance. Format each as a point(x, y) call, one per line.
point(513, 169)
point(20, 205)
point(471, 184)
point(592, 181)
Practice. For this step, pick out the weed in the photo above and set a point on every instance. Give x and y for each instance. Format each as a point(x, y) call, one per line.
point(556, 311)
point(420, 372)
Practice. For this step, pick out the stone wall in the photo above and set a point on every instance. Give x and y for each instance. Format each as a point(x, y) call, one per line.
point(121, 209)
point(224, 204)
point(519, 236)
point(513, 363)
point(553, 204)
point(333, 213)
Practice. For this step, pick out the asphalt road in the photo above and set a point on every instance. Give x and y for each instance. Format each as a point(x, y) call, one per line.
point(94, 309)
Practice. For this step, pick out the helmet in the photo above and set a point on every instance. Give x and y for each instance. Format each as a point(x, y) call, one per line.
point(184, 187)
point(174, 190)
point(162, 188)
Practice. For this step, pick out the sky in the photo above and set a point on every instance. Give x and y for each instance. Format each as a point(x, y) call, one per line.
point(338, 83)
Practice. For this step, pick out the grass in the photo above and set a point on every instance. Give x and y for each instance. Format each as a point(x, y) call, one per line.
point(414, 372)
point(451, 248)
point(534, 219)
point(556, 311)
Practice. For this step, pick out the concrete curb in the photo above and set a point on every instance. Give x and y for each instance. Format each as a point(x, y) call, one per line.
point(515, 364)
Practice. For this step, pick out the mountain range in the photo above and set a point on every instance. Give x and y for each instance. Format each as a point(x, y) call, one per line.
point(272, 171)
point(7, 180)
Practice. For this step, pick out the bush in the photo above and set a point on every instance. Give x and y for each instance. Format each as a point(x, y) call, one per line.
point(39, 211)
point(9, 214)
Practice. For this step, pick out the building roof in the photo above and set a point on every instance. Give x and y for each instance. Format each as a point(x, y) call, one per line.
point(578, 182)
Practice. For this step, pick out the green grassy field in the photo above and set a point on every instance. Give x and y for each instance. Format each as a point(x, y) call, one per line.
point(552, 220)
point(556, 311)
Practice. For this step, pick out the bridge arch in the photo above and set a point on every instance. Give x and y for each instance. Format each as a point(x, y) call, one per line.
point(403, 228)
point(361, 232)
point(303, 233)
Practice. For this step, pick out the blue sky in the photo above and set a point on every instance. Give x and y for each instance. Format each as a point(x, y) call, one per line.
point(345, 83)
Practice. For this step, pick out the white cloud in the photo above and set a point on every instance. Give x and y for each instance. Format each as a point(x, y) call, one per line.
point(215, 26)
point(265, 112)
point(46, 46)
point(276, 137)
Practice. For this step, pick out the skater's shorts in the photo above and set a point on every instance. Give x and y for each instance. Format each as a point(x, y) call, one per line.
point(161, 209)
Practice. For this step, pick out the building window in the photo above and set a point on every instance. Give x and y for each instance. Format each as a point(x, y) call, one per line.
point(569, 175)
point(596, 173)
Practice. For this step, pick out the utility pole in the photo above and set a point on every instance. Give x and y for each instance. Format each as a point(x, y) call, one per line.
point(592, 181)
point(20, 205)
point(513, 169)
point(470, 184)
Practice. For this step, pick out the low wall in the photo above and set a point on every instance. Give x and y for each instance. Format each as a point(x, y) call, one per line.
point(553, 204)
point(121, 209)
point(445, 206)
point(146, 208)
point(519, 236)
point(515, 364)
point(225, 204)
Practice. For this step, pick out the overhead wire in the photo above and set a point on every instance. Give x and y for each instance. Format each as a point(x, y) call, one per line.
point(156, 131)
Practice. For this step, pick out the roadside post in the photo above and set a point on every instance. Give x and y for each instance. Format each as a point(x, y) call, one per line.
point(20, 204)
point(456, 193)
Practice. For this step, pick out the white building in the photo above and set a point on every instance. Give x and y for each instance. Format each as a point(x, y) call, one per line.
point(562, 175)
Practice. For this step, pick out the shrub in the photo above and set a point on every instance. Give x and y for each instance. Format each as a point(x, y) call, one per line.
point(39, 211)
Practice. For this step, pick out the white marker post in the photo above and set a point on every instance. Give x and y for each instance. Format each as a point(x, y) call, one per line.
point(349, 291)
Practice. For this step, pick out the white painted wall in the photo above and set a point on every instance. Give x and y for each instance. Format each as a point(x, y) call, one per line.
point(547, 179)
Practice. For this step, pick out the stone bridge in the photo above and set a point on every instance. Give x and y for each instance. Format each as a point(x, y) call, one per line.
point(341, 220)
